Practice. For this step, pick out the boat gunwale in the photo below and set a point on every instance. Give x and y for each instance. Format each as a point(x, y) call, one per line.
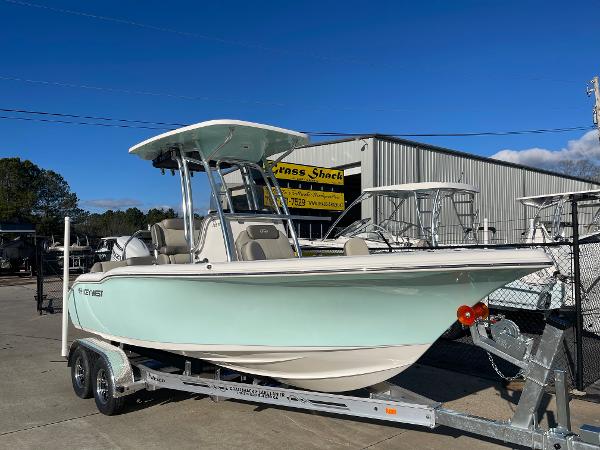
point(383, 270)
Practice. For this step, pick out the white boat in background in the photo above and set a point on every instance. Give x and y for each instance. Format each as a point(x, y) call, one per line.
point(414, 220)
point(552, 288)
point(231, 290)
point(544, 290)
point(81, 254)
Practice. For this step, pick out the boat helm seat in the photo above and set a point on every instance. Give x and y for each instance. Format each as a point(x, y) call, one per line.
point(168, 238)
point(355, 247)
point(259, 242)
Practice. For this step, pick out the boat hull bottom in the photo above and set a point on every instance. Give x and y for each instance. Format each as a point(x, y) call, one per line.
point(335, 370)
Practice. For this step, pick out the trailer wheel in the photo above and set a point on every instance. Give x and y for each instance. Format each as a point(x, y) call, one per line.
point(102, 386)
point(81, 373)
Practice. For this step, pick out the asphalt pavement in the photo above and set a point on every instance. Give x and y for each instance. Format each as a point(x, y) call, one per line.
point(38, 409)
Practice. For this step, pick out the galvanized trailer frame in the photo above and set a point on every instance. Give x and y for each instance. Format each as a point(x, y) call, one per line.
point(386, 401)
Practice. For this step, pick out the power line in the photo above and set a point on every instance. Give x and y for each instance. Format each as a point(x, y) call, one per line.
point(171, 95)
point(182, 33)
point(141, 124)
point(464, 134)
point(241, 101)
point(241, 43)
point(37, 119)
point(76, 116)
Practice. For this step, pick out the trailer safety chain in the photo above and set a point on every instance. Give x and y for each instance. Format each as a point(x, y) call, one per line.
point(520, 375)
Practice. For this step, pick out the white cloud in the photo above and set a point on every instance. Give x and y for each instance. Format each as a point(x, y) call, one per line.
point(586, 147)
point(112, 203)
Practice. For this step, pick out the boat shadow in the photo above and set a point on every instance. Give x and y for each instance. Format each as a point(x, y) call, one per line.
point(145, 399)
point(439, 384)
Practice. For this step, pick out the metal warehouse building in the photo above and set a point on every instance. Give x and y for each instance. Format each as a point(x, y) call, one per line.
point(376, 160)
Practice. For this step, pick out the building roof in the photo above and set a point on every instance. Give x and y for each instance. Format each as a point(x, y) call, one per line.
point(459, 153)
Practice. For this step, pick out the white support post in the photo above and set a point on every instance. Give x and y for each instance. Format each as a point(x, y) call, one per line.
point(595, 89)
point(65, 293)
point(486, 232)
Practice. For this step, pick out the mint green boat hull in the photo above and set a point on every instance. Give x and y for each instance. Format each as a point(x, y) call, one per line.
point(279, 311)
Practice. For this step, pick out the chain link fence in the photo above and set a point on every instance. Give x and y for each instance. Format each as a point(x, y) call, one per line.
point(49, 281)
point(49, 275)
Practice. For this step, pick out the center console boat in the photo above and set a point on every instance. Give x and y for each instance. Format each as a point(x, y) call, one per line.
point(231, 289)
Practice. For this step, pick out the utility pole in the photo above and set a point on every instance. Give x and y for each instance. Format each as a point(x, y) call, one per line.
point(595, 88)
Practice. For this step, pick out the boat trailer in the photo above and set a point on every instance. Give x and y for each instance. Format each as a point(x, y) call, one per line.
point(110, 373)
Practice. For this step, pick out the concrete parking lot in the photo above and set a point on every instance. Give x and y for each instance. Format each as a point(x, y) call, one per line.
point(39, 410)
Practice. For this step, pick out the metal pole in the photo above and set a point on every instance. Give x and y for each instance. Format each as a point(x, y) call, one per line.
point(224, 186)
point(284, 207)
point(595, 89)
point(578, 310)
point(65, 292)
point(225, 227)
point(184, 196)
point(486, 231)
point(39, 275)
point(190, 207)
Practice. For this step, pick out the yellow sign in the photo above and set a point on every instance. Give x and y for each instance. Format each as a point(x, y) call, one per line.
point(303, 198)
point(300, 172)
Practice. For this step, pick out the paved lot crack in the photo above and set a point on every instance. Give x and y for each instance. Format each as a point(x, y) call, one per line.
point(48, 424)
point(382, 440)
point(316, 433)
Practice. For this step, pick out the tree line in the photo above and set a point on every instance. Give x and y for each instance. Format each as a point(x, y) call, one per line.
point(42, 197)
point(30, 194)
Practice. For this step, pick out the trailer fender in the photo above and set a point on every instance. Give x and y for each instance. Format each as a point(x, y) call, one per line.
point(120, 369)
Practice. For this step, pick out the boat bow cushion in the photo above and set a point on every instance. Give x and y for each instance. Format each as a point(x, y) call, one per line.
point(263, 242)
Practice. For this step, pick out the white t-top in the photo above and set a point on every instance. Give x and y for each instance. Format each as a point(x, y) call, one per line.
point(249, 141)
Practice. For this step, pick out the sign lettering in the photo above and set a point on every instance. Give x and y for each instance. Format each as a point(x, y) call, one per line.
point(307, 199)
point(300, 172)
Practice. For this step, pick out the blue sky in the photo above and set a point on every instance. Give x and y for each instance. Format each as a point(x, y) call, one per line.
point(353, 66)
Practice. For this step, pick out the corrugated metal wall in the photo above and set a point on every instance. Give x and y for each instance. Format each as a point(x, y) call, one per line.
point(384, 162)
point(500, 185)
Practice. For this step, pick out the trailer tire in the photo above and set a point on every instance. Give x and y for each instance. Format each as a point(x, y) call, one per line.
point(81, 373)
point(103, 388)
